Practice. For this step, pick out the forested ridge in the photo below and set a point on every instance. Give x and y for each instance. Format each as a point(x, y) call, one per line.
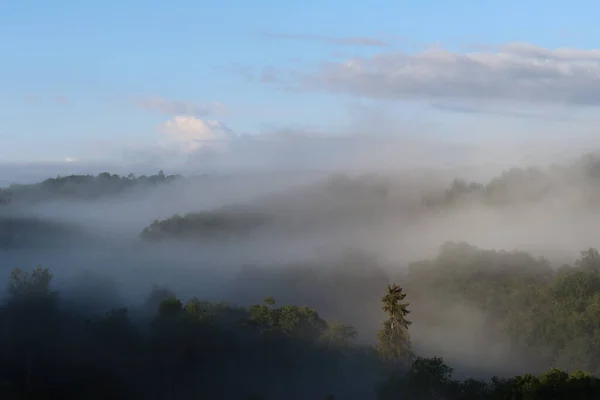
point(19, 230)
point(169, 347)
point(368, 199)
point(466, 323)
point(80, 187)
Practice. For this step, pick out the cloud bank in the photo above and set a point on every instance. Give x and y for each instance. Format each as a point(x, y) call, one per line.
point(515, 72)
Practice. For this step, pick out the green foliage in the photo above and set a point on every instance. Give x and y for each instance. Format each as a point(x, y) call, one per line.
point(425, 379)
point(198, 310)
point(298, 322)
point(550, 317)
point(339, 335)
point(430, 379)
point(393, 341)
point(170, 307)
point(223, 223)
point(80, 187)
point(199, 349)
point(157, 295)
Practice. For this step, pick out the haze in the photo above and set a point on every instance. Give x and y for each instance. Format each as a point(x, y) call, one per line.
point(317, 219)
point(307, 153)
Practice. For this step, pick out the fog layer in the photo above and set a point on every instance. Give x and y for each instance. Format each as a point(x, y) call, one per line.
point(259, 234)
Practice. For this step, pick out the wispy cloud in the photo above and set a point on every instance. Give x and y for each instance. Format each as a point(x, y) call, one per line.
point(338, 41)
point(512, 72)
point(502, 110)
point(176, 107)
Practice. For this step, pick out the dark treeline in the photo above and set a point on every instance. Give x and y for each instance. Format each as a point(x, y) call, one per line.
point(79, 187)
point(55, 347)
point(22, 231)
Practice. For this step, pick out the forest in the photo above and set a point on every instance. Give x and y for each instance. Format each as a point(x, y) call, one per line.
point(79, 186)
point(372, 199)
point(367, 287)
point(167, 347)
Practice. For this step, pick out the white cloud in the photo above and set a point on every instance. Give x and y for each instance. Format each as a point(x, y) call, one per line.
point(193, 134)
point(514, 72)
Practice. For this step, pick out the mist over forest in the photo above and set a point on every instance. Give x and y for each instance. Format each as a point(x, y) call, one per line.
point(501, 276)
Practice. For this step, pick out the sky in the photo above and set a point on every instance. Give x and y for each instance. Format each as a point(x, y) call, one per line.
point(226, 83)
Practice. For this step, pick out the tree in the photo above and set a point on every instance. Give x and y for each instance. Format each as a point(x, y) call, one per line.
point(339, 335)
point(31, 316)
point(22, 285)
point(589, 261)
point(427, 378)
point(157, 295)
point(171, 307)
point(394, 340)
point(292, 321)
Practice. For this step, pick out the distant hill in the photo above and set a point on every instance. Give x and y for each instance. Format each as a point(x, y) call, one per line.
point(79, 187)
point(343, 201)
point(335, 201)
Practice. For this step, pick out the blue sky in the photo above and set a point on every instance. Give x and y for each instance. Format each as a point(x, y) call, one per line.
point(86, 80)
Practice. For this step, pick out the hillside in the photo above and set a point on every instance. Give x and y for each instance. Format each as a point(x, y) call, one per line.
point(483, 310)
point(79, 187)
point(373, 201)
point(169, 347)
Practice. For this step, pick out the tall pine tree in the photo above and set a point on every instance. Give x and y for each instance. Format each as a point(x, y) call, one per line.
point(394, 340)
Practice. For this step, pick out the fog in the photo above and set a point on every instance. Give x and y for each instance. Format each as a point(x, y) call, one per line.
point(315, 216)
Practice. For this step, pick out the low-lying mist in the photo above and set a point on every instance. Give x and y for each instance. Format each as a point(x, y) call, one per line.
point(331, 241)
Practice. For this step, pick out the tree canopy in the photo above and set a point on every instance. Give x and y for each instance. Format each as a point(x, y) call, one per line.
point(169, 347)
